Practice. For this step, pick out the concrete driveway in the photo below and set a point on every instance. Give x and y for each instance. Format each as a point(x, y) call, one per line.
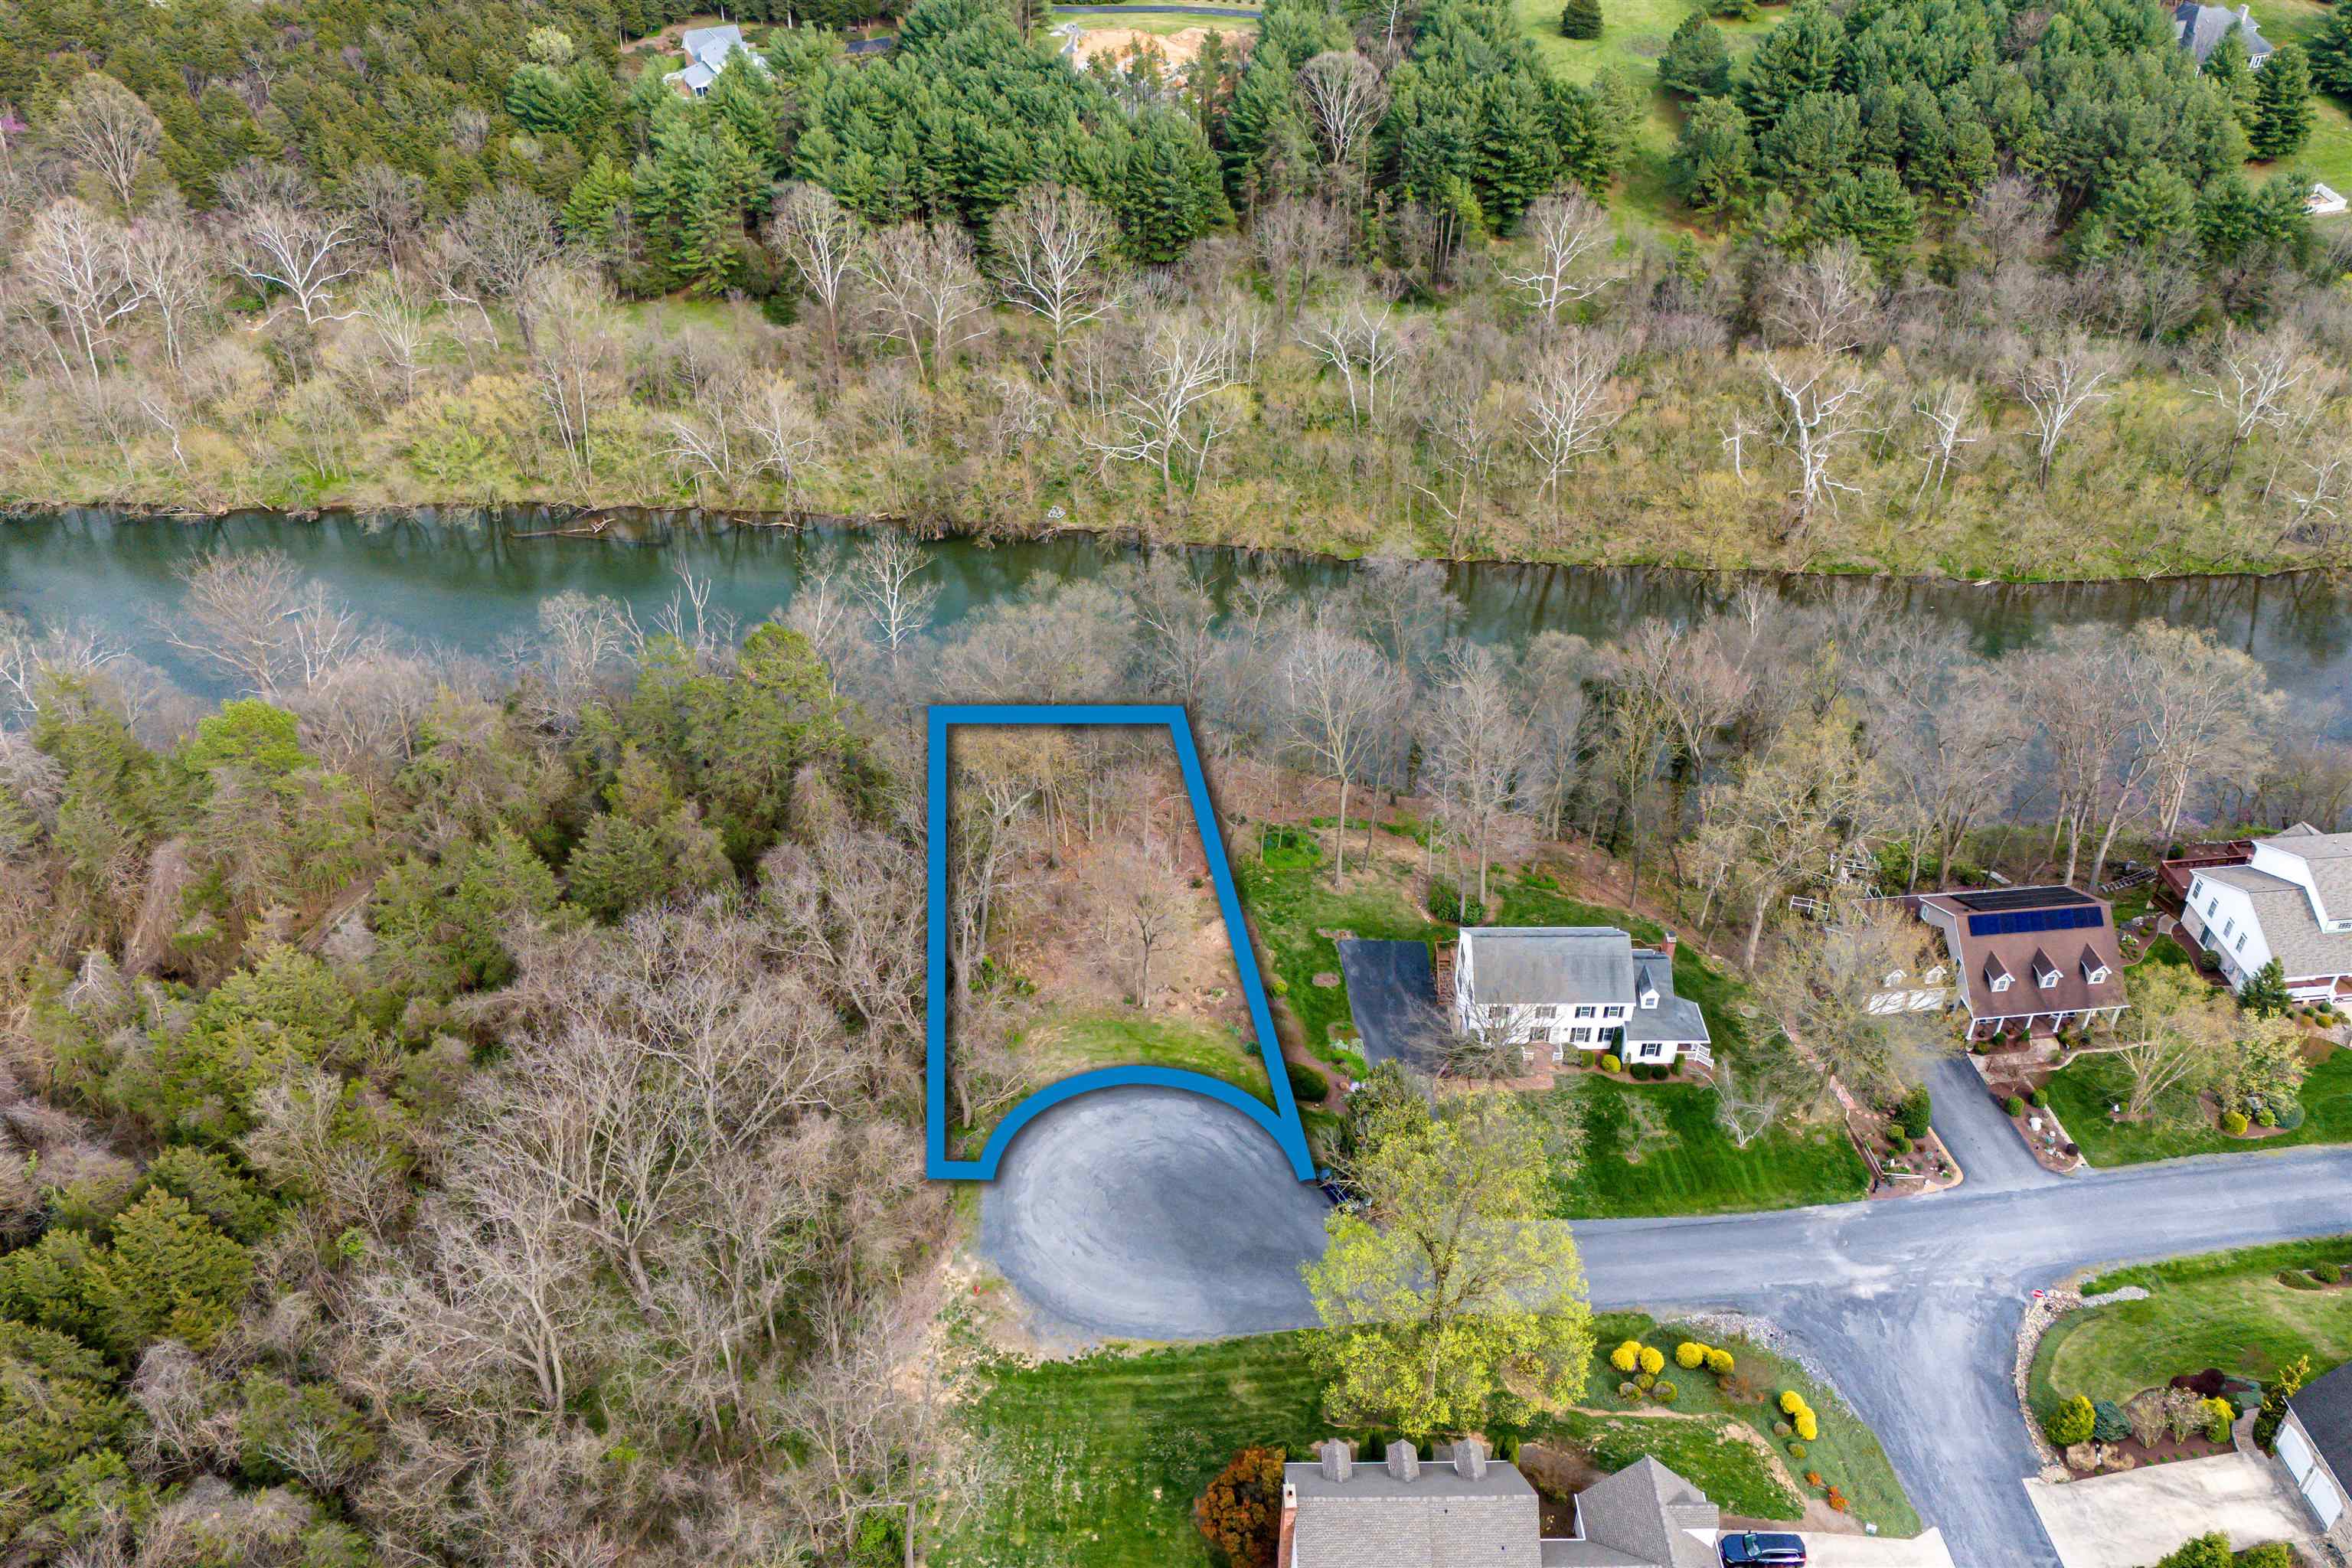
point(1923, 1551)
point(2129, 1521)
point(1980, 1136)
point(1393, 991)
point(1152, 1214)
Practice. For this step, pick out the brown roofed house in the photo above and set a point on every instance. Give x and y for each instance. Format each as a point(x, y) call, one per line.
point(2004, 944)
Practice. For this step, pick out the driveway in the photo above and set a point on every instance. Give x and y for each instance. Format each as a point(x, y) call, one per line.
point(1393, 991)
point(2131, 1520)
point(1149, 1213)
point(1991, 1154)
point(1923, 1551)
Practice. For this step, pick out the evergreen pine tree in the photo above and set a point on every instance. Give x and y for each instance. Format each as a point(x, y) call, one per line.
point(1518, 162)
point(1714, 158)
point(2231, 70)
point(1581, 19)
point(1873, 209)
point(2151, 206)
point(595, 200)
point(1810, 144)
point(2283, 114)
point(2265, 992)
point(1802, 55)
point(2330, 52)
point(543, 98)
point(1697, 62)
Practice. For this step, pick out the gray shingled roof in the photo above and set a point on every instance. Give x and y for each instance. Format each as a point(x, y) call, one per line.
point(2202, 29)
point(1652, 1515)
point(1513, 965)
point(2329, 856)
point(2323, 1406)
point(1439, 1519)
point(2288, 925)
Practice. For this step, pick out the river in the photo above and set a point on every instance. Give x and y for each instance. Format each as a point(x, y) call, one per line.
point(466, 584)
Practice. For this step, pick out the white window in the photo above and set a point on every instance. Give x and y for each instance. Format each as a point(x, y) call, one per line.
point(1584, 1012)
point(2000, 982)
point(2099, 976)
point(1612, 1012)
point(2049, 978)
point(2229, 925)
point(2241, 943)
point(1579, 1036)
point(1652, 1052)
point(1545, 1010)
point(1649, 999)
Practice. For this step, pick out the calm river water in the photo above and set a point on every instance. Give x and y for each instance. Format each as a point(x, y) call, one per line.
point(466, 584)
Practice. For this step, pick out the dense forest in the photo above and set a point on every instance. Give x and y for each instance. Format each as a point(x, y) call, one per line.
point(1990, 295)
point(467, 1113)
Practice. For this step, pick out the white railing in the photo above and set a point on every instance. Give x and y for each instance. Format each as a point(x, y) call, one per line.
point(1700, 1055)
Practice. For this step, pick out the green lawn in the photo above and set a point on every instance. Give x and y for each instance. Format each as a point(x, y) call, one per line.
point(1093, 1040)
point(1682, 1161)
point(1287, 906)
point(2327, 156)
point(2219, 1310)
point(2082, 1092)
point(1847, 1453)
point(1104, 1456)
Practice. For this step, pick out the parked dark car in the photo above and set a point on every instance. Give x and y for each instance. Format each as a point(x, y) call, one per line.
point(1753, 1549)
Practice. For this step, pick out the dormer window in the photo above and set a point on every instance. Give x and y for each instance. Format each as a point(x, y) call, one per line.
point(2045, 973)
point(1649, 1001)
point(2049, 978)
point(2000, 982)
point(2094, 968)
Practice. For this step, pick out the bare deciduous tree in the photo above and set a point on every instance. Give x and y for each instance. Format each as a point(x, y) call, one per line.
point(1820, 408)
point(925, 275)
point(2056, 385)
point(390, 205)
point(574, 352)
point(1345, 94)
point(291, 245)
point(822, 239)
point(255, 619)
point(1569, 407)
point(2251, 380)
point(104, 127)
point(1364, 341)
point(78, 263)
point(1339, 701)
point(1570, 234)
point(1824, 304)
point(172, 263)
point(1168, 405)
point(1051, 245)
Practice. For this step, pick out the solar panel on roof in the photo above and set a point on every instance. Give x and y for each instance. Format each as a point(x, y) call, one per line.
point(2015, 923)
point(2020, 899)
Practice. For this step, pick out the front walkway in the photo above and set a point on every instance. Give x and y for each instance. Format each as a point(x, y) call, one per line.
point(2131, 1520)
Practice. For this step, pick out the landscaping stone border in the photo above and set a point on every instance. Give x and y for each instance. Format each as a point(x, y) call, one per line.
point(2039, 1314)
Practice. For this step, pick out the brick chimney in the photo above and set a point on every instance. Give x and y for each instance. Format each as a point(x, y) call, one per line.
point(1666, 946)
point(1470, 1458)
point(1338, 1459)
point(1404, 1461)
point(1285, 1549)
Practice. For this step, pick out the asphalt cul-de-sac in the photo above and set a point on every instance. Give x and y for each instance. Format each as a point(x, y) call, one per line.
point(1156, 1214)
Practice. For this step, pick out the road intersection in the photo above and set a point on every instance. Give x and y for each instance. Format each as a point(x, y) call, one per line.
point(1144, 1214)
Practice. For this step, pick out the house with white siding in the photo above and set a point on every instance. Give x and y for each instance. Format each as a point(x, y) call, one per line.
point(2291, 900)
point(1576, 988)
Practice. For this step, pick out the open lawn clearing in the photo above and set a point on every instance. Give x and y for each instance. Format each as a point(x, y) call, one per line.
point(2327, 156)
point(2082, 1091)
point(1076, 1045)
point(1683, 1161)
point(1846, 1454)
point(1289, 906)
point(1711, 1452)
point(2222, 1310)
point(1104, 1456)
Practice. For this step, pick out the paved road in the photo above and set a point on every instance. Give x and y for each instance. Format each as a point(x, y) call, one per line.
point(1162, 1216)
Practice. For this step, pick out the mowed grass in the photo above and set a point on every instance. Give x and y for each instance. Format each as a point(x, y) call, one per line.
point(1656, 1149)
point(1081, 1044)
point(2327, 156)
point(1289, 907)
point(2219, 1309)
point(1103, 1457)
point(1847, 1453)
point(2082, 1091)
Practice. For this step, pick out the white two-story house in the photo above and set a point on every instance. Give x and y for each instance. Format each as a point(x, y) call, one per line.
point(1575, 988)
point(2290, 900)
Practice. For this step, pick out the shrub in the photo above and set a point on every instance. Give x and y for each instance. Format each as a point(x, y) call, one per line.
point(2071, 1423)
point(1837, 1500)
point(2233, 1122)
point(1646, 1380)
point(2013, 1105)
point(1792, 1401)
point(1782, 1429)
point(1653, 1361)
point(2220, 1415)
point(1897, 1143)
point(1665, 1393)
point(2270, 1554)
point(1914, 1111)
point(2199, 1552)
point(2039, 1099)
point(2328, 1273)
point(1609, 1062)
point(1581, 19)
point(1447, 902)
point(1690, 1355)
point(2108, 1422)
point(1240, 1512)
point(1626, 1357)
point(1626, 1391)
point(2295, 1280)
point(1808, 1428)
point(2266, 1117)
point(2289, 1116)
point(1719, 1362)
point(1812, 1477)
point(1795, 1450)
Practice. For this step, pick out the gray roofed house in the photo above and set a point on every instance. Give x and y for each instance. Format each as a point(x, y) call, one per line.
point(1459, 1508)
point(2202, 29)
point(1586, 988)
point(707, 51)
point(2315, 1444)
point(2290, 899)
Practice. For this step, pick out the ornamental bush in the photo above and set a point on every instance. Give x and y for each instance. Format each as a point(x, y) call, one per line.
point(2039, 1099)
point(1626, 1390)
point(1241, 1514)
point(1646, 1380)
point(1626, 1357)
point(1720, 1362)
point(1812, 1477)
point(1665, 1393)
point(2071, 1423)
point(1653, 1361)
point(1795, 1450)
point(1782, 1429)
point(2266, 1117)
point(2233, 1122)
point(1792, 1401)
point(2108, 1422)
point(1609, 1062)
point(1808, 1428)
point(2328, 1273)
point(2013, 1105)
point(1690, 1355)
point(2220, 1415)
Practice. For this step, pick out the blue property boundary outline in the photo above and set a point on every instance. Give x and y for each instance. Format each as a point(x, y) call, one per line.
point(1281, 1120)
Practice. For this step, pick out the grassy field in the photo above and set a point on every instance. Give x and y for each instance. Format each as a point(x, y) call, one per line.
point(1656, 1148)
point(1287, 906)
point(2082, 1092)
point(1104, 1456)
point(2327, 156)
point(2218, 1309)
point(1847, 1454)
point(1076, 1045)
